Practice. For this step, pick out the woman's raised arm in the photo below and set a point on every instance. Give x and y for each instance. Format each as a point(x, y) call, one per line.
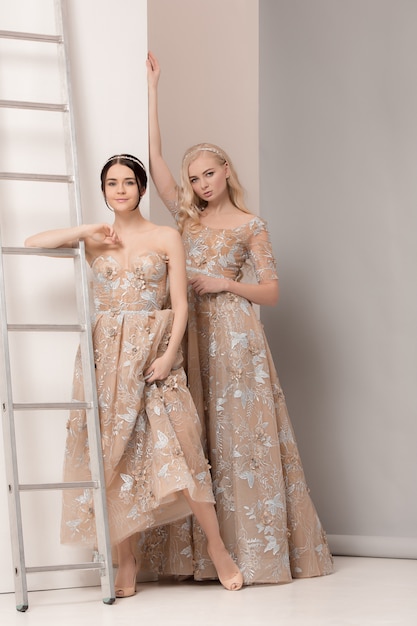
point(162, 177)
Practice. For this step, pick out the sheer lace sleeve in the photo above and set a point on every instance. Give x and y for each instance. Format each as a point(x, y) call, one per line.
point(173, 207)
point(260, 254)
point(171, 202)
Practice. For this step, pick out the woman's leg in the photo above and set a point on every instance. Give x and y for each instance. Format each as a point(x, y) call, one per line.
point(125, 583)
point(227, 570)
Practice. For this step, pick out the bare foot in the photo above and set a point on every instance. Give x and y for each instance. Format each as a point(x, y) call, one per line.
point(228, 572)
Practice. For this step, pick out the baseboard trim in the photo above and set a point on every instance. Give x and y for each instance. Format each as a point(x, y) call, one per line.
point(369, 546)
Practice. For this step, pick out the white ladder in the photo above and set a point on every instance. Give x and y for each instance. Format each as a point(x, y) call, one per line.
point(103, 557)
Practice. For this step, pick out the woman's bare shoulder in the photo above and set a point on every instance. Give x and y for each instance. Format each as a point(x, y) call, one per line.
point(168, 232)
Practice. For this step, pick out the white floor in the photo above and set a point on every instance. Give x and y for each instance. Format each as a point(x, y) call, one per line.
point(361, 592)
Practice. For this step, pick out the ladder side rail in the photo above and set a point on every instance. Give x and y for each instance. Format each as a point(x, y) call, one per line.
point(68, 118)
point(87, 350)
point(94, 431)
point(9, 441)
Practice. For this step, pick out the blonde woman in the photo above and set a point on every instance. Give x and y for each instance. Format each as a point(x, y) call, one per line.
point(267, 518)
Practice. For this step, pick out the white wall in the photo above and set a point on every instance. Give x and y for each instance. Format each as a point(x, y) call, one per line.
point(338, 150)
point(108, 50)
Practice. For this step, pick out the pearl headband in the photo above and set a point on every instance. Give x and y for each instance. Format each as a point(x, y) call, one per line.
point(125, 156)
point(204, 149)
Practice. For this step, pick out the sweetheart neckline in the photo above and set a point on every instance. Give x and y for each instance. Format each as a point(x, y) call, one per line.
point(105, 257)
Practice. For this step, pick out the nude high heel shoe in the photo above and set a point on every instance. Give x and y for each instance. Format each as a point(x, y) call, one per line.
point(232, 583)
point(126, 592)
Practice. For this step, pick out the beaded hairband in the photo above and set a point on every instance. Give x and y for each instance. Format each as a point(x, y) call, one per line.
point(125, 156)
point(205, 149)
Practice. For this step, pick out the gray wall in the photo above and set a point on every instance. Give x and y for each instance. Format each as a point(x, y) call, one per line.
point(338, 155)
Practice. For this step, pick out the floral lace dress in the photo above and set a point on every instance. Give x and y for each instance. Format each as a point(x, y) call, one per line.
point(267, 518)
point(151, 433)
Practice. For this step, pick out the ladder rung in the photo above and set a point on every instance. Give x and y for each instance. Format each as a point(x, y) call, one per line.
point(64, 252)
point(47, 178)
point(13, 34)
point(38, 406)
point(38, 106)
point(64, 328)
point(63, 568)
point(85, 484)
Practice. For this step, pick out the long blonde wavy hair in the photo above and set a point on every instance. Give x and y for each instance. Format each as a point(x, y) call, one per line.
point(190, 205)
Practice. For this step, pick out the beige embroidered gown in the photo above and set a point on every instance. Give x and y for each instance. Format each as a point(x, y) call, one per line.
point(151, 434)
point(267, 518)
